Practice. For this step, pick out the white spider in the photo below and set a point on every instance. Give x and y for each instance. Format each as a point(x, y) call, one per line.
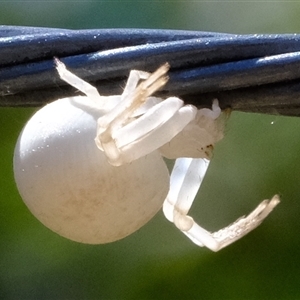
point(67, 183)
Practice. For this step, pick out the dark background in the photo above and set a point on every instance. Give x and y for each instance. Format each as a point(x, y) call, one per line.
point(258, 158)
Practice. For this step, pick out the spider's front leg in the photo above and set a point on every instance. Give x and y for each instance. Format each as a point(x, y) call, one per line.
point(134, 124)
point(83, 86)
point(125, 138)
point(186, 178)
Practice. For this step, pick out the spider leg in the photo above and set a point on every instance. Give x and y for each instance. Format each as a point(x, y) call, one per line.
point(133, 79)
point(125, 138)
point(133, 98)
point(149, 132)
point(186, 178)
point(90, 91)
point(145, 137)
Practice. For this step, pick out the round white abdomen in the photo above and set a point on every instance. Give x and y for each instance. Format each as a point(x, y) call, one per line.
point(67, 183)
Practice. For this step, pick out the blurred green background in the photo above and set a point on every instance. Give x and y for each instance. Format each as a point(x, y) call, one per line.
point(258, 158)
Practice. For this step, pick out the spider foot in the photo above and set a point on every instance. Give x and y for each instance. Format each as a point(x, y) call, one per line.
point(244, 225)
point(228, 235)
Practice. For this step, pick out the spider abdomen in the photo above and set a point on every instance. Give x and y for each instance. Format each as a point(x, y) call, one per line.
point(67, 183)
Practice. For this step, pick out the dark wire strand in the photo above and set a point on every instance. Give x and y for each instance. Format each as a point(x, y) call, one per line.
point(253, 73)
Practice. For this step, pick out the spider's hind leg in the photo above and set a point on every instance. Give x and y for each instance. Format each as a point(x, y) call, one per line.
point(186, 178)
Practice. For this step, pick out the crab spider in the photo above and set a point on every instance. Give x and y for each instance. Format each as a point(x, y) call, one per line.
point(90, 167)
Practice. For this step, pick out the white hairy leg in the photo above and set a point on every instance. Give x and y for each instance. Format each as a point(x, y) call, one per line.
point(83, 86)
point(186, 178)
point(105, 103)
point(133, 79)
point(152, 130)
point(133, 98)
point(124, 138)
point(185, 181)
